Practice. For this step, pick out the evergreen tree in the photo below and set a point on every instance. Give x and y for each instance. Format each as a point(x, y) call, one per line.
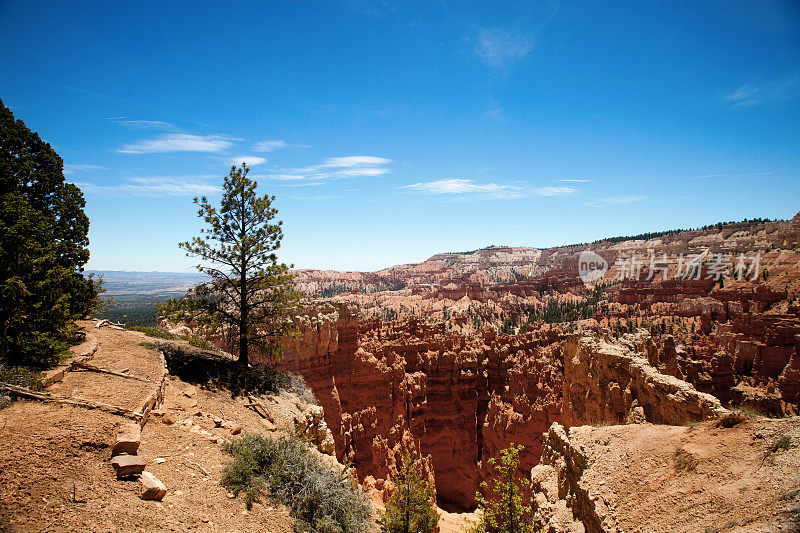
point(410, 508)
point(252, 295)
point(43, 247)
point(504, 497)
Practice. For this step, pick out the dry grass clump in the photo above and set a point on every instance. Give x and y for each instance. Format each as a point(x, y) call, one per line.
point(734, 418)
point(684, 461)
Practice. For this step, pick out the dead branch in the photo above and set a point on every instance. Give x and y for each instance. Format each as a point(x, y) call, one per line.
point(259, 407)
point(196, 465)
point(78, 402)
point(92, 368)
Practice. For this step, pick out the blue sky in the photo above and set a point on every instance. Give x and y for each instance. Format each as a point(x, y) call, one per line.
point(390, 131)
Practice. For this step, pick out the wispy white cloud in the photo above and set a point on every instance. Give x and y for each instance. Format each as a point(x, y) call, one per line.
point(336, 167)
point(555, 191)
point(313, 197)
point(735, 175)
point(277, 144)
point(269, 146)
point(460, 188)
point(501, 49)
point(154, 186)
point(72, 169)
point(615, 200)
point(769, 92)
point(577, 180)
point(179, 142)
point(143, 124)
point(251, 160)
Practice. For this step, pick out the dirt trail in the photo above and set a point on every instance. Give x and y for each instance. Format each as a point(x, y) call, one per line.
point(55, 473)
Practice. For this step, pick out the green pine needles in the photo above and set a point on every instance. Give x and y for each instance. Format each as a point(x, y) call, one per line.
point(411, 507)
point(43, 247)
point(505, 501)
point(251, 297)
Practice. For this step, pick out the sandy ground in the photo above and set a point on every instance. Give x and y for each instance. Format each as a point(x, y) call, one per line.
point(732, 480)
point(55, 473)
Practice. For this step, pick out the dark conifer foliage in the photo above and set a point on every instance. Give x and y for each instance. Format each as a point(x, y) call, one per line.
point(43, 247)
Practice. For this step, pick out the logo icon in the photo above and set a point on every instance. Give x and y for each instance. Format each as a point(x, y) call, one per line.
point(591, 266)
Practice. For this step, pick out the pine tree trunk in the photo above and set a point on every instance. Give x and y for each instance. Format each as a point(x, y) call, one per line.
point(243, 355)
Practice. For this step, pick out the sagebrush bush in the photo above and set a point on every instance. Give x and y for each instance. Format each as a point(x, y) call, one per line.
point(296, 384)
point(321, 500)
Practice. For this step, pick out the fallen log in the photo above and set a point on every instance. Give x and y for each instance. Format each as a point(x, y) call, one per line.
point(92, 368)
point(78, 402)
point(105, 322)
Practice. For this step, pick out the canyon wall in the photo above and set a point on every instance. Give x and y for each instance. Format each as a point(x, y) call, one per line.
point(463, 399)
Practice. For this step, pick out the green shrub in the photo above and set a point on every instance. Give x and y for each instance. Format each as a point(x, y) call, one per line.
point(21, 376)
point(285, 469)
point(154, 332)
point(198, 342)
point(506, 502)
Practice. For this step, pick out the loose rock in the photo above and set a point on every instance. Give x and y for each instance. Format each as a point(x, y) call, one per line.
point(129, 435)
point(152, 487)
point(128, 465)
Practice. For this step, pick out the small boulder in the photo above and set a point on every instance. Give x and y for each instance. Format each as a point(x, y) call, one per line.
point(235, 430)
point(152, 487)
point(127, 465)
point(168, 418)
point(129, 435)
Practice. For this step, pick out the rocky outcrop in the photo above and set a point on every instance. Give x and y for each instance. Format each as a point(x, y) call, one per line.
point(564, 500)
point(602, 380)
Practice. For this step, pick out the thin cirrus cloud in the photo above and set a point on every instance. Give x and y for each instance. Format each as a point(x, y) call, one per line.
point(154, 186)
point(336, 167)
point(500, 49)
point(466, 189)
point(179, 142)
point(277, 144)
point(72, 169)
point(769, 92)
point(752, 174)
point(143, 124)
point(251, 160)
point(614, 200)
point(577, 180)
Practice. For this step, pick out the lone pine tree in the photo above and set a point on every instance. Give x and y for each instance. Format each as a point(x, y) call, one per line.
point(251, 296)
point(410, 508)
point(505, 501)
point(43, 247)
